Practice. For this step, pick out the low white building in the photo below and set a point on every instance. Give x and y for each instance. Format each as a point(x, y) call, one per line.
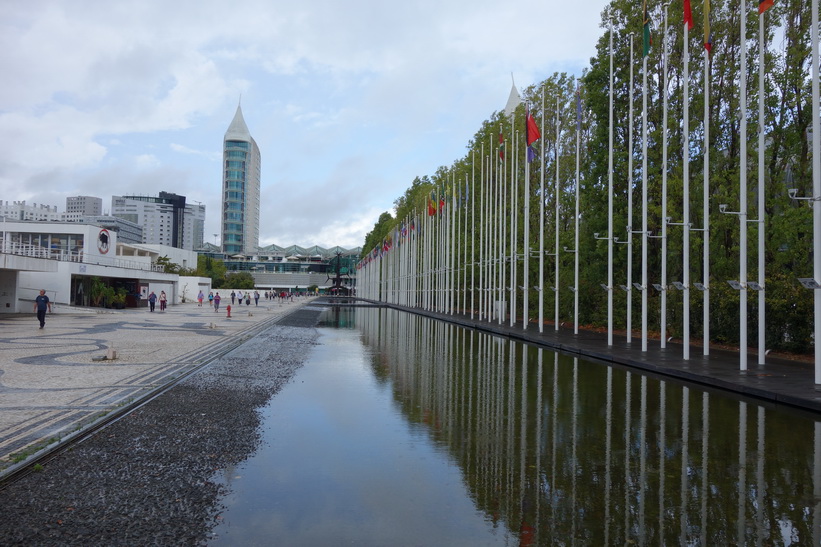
point(69, 261)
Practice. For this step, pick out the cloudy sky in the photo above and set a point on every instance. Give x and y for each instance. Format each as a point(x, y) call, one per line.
point(348, 101)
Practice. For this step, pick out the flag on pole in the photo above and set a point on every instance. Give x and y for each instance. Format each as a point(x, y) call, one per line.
point(531, 135)
point(647, 40)
point(708, 36)
point(501, 146)
point(432, 204)
point(688, 15)
point(764, 5)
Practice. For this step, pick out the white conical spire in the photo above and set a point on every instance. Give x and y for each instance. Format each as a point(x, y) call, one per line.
point(513, 100)
point(238, 130)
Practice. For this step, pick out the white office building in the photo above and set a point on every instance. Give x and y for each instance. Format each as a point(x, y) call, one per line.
point(20, 210)
point(165, 220)
point(78, 207)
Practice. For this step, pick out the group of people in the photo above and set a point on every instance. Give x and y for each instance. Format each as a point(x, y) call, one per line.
point(42, 303)
point(214, 299)
point(238, 296)
point(152, 300)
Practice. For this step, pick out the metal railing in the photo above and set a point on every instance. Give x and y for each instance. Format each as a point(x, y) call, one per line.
point(36, 251)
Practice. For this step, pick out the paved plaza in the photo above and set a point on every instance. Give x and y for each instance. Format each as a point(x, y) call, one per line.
point(56, 381)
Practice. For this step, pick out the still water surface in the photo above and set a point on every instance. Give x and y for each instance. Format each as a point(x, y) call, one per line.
point(403, 431)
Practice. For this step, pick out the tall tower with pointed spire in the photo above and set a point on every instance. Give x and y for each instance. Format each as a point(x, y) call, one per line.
point(241, 181)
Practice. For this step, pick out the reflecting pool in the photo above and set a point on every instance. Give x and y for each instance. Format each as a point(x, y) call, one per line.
point(400, 430)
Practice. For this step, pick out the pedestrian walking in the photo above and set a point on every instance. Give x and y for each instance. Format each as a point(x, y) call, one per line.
point(248, 299)
point(200, 297)
point(217, 302)
point(233, 296)
point(256, 298)
point(163, 300)
point(41, 304)
point(211, 299)
point(152, 301)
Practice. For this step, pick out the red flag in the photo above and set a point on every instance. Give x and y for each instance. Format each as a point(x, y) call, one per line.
point(432, 204)
point(532, 130)
point(501, 146)
point(688, 15)
point(764, 5)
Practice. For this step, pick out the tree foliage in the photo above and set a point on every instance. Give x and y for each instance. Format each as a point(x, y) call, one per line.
point(787, 164)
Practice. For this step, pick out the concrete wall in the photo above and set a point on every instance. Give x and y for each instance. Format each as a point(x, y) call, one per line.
point(57, 285)
point(192, 286)
point(8, 291)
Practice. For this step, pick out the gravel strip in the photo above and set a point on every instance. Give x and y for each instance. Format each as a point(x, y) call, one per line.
point(155, 476)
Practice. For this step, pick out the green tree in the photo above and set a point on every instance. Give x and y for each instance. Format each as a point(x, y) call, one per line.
point(380, 231)
point(239, 280)
point(213, 268)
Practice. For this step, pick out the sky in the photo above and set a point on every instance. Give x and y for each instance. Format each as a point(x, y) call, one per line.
point(348, 101)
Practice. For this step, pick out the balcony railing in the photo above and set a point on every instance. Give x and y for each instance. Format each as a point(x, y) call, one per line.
point(36, 251)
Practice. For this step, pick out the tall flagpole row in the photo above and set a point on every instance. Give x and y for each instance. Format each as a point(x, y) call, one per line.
point(423, 261)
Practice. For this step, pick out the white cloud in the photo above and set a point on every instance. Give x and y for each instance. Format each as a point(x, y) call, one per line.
point(348, 101)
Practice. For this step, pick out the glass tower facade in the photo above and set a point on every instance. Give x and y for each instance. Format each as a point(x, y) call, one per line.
point(241, 180)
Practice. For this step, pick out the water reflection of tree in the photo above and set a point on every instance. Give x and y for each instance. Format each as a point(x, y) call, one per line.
point(559, 450)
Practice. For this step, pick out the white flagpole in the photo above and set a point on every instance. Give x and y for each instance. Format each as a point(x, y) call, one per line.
point(742, 192)
point(514, 231)
point(686, 200)
point(706, 199)
point(762, 302)
point(453, 218)
point(481, 257)
point(816, 187)
point(576, 222)
point(630, 205)
point(541, 226)
point(468, 288)
point(526, 251)
point(665, 92)
point(610, 202)
point(644, 205)
point(472, 235)
point(556, 260)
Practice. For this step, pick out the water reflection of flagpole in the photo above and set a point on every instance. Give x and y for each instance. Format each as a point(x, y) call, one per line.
point(742, 473)
point(662, 450)
point(685, 461)
point(523, 435)
point(705, 446)
point(608, 445)
point(761, 484)
point(538, 444)
point(816, 485)
point(553, 426)
point(627, 403)
point(574, 430)
point(643, 461)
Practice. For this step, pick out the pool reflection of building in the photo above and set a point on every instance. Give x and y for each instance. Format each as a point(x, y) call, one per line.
point(561, 450)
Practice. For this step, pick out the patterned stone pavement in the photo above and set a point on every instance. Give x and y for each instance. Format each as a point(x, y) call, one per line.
point(53, 382)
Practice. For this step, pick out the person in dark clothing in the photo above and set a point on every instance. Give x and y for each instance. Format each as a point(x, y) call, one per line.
point(152, 300)
point(41, 304)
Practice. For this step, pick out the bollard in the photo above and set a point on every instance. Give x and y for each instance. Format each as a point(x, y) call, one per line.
point(228, 309)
